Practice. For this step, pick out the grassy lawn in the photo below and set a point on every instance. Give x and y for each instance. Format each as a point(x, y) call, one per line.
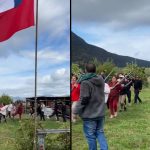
point(129, 131)
point(8, 131)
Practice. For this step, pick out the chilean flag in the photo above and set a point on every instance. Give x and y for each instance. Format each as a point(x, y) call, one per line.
point(15, 15)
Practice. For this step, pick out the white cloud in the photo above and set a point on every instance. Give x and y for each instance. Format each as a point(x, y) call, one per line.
point(53, 24)
point(17, 54)
point(115, 13)
point(57, 83)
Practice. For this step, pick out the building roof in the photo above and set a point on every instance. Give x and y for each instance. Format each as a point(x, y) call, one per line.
point(45, 98)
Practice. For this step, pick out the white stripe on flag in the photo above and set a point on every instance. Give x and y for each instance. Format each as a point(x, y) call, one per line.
point(6, 5)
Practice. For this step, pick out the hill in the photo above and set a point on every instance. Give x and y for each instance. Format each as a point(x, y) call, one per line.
point(82, 52)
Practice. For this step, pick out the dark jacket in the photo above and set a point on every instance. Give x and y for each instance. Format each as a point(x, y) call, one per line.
point(91, 104)
point(137, 84)
point(124, 88)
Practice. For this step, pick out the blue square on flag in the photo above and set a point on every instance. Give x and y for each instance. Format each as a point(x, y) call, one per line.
point(8, 4)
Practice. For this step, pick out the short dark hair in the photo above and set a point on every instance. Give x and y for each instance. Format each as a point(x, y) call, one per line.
point(90, 68)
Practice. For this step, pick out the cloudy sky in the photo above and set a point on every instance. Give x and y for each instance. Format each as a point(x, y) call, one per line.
point(119, 26)
point(17, 54)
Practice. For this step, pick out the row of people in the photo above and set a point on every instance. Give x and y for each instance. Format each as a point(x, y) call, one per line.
point(41, 109)
point(11, 110)
point(120, 89)
point(117, 91)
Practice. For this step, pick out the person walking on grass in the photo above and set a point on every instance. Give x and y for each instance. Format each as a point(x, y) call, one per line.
point(10, 106)
point(113, 98)
point(42, 111)
point(137, 89)
point(3, 112)
point(128, 89)
point(91, 108)
point(55, 111)
point(32, 111)
point(19, 110)
point(123, 93)
point(63, 111)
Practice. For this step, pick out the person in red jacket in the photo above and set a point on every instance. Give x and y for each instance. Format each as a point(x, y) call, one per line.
point(19, 110)
point(113, 98)
point(75, 93)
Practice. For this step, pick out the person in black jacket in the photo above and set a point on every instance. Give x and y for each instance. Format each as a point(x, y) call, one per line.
point(55, 112)
point(128, 89)
point(63, 111)
point(137, 89)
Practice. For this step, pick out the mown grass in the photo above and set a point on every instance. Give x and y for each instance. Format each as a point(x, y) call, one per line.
point(8, 131)
point(129, 131)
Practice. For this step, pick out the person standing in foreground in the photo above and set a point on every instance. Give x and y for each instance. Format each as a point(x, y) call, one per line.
point(91, 108)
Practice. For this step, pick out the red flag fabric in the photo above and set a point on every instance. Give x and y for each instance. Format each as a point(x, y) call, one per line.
point(16, 19)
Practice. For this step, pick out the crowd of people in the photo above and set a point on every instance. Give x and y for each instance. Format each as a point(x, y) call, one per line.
point(91, 93)
point(11, 110)
point(57, 111)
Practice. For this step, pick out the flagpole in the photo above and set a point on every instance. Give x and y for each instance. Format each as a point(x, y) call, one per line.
point(35, 92)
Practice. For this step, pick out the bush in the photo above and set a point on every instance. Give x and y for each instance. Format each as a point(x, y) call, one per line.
point(58, 141)
point(5, 99)
point(25, 137)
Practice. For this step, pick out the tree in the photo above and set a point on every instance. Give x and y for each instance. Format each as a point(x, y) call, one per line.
point(5, 99)
point(135, 70)
point(75, 69)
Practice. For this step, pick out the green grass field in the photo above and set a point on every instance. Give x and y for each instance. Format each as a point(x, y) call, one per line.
point(129, 131)
point(8, 131)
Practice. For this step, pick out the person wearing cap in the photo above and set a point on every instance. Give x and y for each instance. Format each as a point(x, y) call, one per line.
point(123, 93)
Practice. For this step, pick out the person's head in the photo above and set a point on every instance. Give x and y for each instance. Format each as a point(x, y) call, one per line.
point(114, 79)
point(121, 76)
point(103, 72)
point(90, 68)
point(74, 79)
point(137, 77)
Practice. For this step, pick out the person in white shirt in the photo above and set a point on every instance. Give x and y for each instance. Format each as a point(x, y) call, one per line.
point(3, 112)
point(10, 107)
point(42, 111)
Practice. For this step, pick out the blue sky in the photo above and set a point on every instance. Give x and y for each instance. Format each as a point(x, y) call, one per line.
point(121, 27)
point(17, 55)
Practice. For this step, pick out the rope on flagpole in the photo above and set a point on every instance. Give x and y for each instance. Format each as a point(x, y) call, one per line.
point(35, 98)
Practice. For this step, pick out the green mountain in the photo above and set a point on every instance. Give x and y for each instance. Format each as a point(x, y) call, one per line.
point(82, 52)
